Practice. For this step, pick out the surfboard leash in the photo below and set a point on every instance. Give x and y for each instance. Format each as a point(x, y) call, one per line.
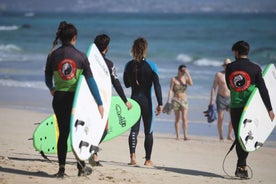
point(44, 156)
point(223, 164)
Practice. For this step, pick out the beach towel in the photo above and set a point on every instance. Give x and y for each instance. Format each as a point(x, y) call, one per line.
point(210, 113)
point(167, 108)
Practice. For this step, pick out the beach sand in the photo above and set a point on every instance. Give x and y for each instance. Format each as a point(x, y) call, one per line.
point(198, 160)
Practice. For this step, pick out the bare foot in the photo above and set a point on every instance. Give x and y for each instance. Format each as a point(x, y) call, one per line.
point(148, 163)
point(132, 162)
point(132, 159)
point(186, 139)
point(230, 139)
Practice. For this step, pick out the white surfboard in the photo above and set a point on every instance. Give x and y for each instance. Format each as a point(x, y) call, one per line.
point(87, 126)
point(255, 125)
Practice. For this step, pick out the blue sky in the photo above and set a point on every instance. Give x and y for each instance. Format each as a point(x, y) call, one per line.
point(143, 6)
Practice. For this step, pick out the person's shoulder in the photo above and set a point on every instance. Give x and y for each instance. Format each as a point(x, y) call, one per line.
point(108, 62)
point(152, 65)
point(79, 52)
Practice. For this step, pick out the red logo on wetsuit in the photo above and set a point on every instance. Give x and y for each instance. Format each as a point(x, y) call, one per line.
point(240, 80)
point(67, 69)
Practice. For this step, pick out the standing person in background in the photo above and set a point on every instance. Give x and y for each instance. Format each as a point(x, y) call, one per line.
point(140, 74)
point(102, 43)
point(222, 100)
point(64, 66)
point(178, 88)
point(242, 76)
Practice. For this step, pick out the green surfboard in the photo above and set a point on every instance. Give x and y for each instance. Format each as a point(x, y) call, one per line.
point(46, 135)
point(120, 120)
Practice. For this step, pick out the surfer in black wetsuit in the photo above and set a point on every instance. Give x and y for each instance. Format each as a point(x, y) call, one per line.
point(242, 76)
point(64, 66)
point(140, 74)
point(102, 43)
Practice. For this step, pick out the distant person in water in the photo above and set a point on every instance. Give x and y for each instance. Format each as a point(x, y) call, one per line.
point(222, 100)
point(178, 87)
point(64, 67)
point(140, 74)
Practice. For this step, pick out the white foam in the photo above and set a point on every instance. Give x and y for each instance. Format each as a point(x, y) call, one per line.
point(24, 84)
point(9, 28)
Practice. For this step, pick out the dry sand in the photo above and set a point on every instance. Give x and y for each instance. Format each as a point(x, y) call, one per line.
point(198, 160)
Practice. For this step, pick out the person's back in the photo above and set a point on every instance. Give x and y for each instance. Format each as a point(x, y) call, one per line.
point(67, 64)
point(243, 76)
point(222, 86)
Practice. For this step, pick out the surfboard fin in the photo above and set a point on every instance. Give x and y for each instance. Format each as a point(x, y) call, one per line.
point(247, 121)
point(249, 136)
point(258, 144)
point(83, 143)
point(79, 122)
point(94, 148)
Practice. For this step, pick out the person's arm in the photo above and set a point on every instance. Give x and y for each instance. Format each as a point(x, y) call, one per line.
point(188, 77)
point(94, 90)
point(49, 76)
point(213, 90)
point(170, 90)
point(157, 89)
point(116, 84)
point(96, 94)
point(264, 94)
point(118, 87)
point(126, 77)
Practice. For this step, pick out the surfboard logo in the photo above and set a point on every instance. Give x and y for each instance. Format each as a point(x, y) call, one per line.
point(67, 69)
point(240, 80)
point(122, 120)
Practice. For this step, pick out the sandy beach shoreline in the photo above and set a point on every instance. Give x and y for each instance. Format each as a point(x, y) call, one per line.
point(198, 160)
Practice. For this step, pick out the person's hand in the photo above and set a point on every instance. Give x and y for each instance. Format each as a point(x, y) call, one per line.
point(158, 110)
point(52, 92)
point(271, 115)
point(129, 105)
point(101, 110)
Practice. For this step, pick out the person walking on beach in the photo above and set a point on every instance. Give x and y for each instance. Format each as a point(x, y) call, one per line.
point(222, 100)
point(102, 43)
point(242, 76)
point(178, 87)
point(64, 66)
point(140, 74)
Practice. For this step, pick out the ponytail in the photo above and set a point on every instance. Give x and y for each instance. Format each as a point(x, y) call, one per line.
point(65, 33)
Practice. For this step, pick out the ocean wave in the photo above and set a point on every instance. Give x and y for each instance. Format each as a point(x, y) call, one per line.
point(9, 47)
point(199, 62)
point(24, 84)
point(9, 28)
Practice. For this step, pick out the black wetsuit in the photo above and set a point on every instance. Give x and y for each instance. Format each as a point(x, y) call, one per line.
point(242, 76)
point(66, 64)
point(140, 75)
point(116, 84)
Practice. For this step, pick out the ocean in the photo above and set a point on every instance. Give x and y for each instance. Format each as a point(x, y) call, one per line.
point(199, 40)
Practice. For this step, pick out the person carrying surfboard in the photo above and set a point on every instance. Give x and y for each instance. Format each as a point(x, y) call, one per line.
point(63, 67)
point(242, 76)
point(140, 74)
point(102, 43)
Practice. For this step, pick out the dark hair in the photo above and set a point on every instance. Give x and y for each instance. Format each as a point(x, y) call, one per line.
point(181, 66)
point(65, 33)
point(241, 47)
point(102, 42)
point(139, 48)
